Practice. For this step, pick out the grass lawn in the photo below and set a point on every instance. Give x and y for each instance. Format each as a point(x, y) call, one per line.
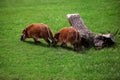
point(26, 61)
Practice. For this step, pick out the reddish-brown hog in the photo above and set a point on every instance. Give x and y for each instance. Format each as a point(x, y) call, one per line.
point(37, 31)
point(68, 35)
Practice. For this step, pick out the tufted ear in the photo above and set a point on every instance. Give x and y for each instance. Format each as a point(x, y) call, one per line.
point(25, 32)
point(55, 39)
point(57, 35)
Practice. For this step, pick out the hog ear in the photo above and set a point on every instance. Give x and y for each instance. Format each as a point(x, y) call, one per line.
point(56, 35)
point(25, 32)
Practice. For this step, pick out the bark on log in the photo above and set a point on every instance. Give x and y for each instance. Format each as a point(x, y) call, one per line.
point(88, 37)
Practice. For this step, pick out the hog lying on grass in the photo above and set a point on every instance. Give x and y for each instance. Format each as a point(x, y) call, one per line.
point(68, 35)
point(37, 31)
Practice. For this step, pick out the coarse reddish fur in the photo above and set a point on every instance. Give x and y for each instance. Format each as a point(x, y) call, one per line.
point(68, 35)
point(37, 31)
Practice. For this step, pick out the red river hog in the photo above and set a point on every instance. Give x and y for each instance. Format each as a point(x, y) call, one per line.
point(37, 31)
point(68, 35)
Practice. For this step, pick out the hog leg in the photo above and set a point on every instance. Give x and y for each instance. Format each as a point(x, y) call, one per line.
point(75, 46)
point(47, 40)
point(63, 45)
point(36, 40)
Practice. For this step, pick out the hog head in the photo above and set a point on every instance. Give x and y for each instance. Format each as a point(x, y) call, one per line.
point(24, 35)
point(55, 39)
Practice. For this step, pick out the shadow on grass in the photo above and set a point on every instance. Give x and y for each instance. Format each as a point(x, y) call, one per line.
point(69, 48)
point(38, 44)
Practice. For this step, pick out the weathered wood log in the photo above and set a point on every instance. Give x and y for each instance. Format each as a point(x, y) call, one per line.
point(104, 40)
point(89, 38)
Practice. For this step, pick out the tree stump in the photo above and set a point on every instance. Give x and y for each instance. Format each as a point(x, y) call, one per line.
point(89, 38)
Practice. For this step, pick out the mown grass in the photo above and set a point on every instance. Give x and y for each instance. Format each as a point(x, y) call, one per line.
point(26, 61)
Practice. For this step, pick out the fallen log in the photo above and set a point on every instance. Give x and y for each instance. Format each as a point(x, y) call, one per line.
point(89, 38)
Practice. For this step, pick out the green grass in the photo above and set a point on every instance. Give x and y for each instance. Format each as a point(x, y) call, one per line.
point(25, 61)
